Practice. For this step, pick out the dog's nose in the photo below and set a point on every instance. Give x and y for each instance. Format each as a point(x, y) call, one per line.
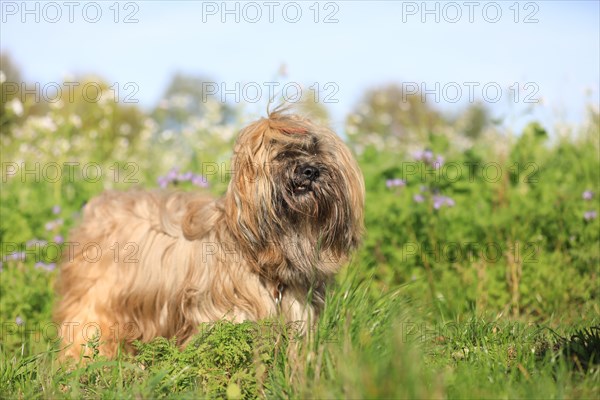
point(308, 172)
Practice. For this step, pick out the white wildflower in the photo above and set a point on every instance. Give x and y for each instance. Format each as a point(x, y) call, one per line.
point(57, 105)
point(125, 129)
point(181, 100)
point(43, 123)
point(355, 119)
point(167, 134)
point(104, 98)
point(363, 109)
point(385, 119)
point(122, 143)
point(75, 120)
point(16, 107)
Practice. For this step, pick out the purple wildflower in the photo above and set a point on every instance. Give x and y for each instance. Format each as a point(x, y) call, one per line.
point(200, 181)
point(418, 198)
point(590, 215)
point(53, 224)
point(48, 267)
point(587, 195)
point(17, 256)
point(396, 182)
point(58, 239)
point(163, 182)
point(439, 201)
point(172, 174)
point(428, 157)
point(423, 155)
point(35, 242)
point(56, 210)
point(19, 321)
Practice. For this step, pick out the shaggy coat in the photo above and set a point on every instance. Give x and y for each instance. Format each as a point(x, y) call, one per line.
point(159, 263)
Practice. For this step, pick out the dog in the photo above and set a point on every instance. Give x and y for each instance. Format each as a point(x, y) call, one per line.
point(160, 263)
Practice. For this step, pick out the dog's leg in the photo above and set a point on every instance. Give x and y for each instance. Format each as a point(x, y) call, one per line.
point(87, 325)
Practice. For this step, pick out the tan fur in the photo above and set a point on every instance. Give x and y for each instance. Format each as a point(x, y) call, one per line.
point(170, 260)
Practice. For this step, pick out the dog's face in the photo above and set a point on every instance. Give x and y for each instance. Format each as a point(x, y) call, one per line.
point(294, 180)
point(308, 185)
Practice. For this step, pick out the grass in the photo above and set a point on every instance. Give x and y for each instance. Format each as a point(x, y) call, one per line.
point(362, 347)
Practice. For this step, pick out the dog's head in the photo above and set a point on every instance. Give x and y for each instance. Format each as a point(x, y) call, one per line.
point(296, 189)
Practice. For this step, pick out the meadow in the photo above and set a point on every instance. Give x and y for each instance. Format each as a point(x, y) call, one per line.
point(477, 277)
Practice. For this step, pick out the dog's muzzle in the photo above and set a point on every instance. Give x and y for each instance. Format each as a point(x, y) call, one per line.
point(304, 176)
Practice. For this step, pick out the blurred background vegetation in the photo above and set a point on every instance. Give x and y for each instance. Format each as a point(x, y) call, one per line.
point(464, 215)
point(443, 191)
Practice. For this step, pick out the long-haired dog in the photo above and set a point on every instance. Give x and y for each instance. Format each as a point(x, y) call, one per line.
point(161, 263)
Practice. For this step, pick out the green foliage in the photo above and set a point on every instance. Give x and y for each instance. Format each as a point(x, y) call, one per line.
point(515, 223)
point(362, 347)
point(582, 348)
point(478, 275)
point(224, 359)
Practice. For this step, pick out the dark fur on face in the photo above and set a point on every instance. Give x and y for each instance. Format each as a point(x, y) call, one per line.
point(301, 214)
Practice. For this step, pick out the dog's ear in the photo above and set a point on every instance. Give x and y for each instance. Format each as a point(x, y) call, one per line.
point(245, 201)
point(356, 194)
point(343, 229)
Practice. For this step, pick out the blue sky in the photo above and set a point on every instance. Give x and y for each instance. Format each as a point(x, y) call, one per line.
point(372, 43)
